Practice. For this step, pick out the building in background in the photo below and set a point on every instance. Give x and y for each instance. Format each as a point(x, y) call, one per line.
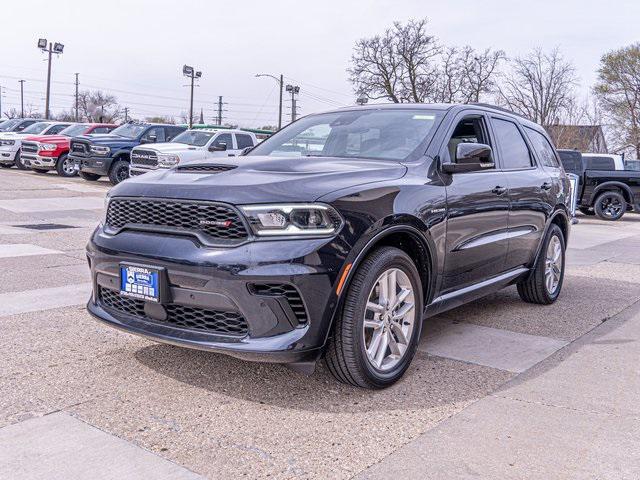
point(584, 138)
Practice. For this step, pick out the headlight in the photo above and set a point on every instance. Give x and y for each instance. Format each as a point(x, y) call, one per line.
point(312, 219)
point(7, 142)
point(100, 150)
point(167, 161)
point(48, 146)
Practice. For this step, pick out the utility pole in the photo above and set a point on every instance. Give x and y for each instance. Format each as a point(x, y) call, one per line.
point(0, 101)
point(294, 90)
point(190, 72)
point(21, 82)
point(77, 96)
point(126, 114)
point(219, 119)
point(281, 85)
point(56, 48)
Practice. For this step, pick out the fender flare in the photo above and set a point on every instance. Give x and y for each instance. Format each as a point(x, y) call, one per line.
point(608, 186)
point(550, 221)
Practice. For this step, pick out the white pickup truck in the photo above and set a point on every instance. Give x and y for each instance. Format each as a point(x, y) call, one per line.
point(11, 142)
point(190, 145)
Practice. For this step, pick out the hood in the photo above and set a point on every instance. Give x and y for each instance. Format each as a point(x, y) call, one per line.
point(167, 147)
point(107, 139)
point(15, 135)
point(257, 179)
point(59, 139)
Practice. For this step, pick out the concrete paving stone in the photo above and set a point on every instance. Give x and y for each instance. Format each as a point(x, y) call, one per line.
point(15, 264)
point(39, 299)
point(583, 238)
point(30, 278)
point(621, 270)
point(491, 347)
point(63, 239)
point(584, 303)
point(24, 249)
point(52, 204)
point(81, 187)
point(509, 439)
point(59, 446)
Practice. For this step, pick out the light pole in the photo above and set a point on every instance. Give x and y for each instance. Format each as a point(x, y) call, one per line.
point(190, 72)
point(294, 90)
point(281, 84)
point(21, 82)
point(56, 48)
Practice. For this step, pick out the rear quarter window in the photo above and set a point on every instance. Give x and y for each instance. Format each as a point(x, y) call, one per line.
point(543, 148)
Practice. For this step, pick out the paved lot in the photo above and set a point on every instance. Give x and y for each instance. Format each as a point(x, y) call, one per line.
point(76, 393)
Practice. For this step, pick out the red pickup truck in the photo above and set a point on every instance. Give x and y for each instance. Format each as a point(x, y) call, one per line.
point(44, 153)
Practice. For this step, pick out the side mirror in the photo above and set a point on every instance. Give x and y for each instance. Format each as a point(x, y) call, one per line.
point(218, 147)
point(470, 157)
point(245, 150)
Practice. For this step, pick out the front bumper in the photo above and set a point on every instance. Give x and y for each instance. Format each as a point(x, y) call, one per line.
point(96, 165)
point(39, 161)
point(7, 155)
point(135, 170)
point(226, 279)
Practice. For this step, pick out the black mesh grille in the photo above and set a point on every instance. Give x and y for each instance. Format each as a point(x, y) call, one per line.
point(283, 290)
point(180, 316)
point(147, 158)
point(214, 220)
point(81, 148)
point(205, 168)
point(29, 147)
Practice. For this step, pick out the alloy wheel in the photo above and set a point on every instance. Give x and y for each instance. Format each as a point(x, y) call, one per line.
point(389, 319)
point(68, 167)
point(611, 206)
point(553, 265)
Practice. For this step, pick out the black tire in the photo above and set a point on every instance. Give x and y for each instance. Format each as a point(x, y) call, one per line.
point(610, 206)
point(91, 177)
point(534, 289)
point(40, 170)
point(346, 356)
point(18, 162)
point(586, 211)
point(119, 171)
point(5, 165)
point(64, 167)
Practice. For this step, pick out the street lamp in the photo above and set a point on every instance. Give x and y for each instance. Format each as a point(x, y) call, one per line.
point(294, 90)
point(281, 84)
point(50, 49)
point(190, 72)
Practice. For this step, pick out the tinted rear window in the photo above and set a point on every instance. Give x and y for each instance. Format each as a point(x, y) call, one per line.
point(599, 163)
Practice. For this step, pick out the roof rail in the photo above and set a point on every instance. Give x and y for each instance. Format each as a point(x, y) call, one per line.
point(501, 109)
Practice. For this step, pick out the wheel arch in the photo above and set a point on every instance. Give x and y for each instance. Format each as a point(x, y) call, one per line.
point(560, 218)
point(615, 187)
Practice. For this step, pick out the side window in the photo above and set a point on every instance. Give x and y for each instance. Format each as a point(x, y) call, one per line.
point(515, 153)
point(25, 124)
point(223, 138)
point(157, 132)
point(173, 132)
point(56, 129)
point(100, 130)
point(543, 148)
point(243, 141)
point(470, 129)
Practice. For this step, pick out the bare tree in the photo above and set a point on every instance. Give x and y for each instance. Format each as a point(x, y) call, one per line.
point(618, 92)
point(30, 111)
point(480, 72)
point(161, 119)
point(540, 86)
point(98, 106)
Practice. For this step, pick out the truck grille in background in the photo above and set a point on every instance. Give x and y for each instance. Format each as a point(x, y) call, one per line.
point(180, 316)
point(211, 219)
point(29, 147)
point(283, 290)
point(205, 168)
point(81, 148)
point(145, 158)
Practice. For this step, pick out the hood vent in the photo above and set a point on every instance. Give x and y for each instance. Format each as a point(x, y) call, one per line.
point(204, 168)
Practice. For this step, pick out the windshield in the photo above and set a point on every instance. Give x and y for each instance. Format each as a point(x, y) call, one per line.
point(37, 127)
point(129, 130)
point(392, 134)
point(9, 124)
point(73, 130)
point(193, 137)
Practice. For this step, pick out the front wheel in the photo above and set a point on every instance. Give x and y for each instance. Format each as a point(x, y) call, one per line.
point(65, 166)
point(119, 172)
point(610, 206)
point(19, 163)
point(377, 333)
point(544, 283)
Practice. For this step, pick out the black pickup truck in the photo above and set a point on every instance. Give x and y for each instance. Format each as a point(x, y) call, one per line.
point(602, 190)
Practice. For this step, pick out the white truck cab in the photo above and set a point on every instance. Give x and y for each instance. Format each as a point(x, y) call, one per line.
point(190, 145)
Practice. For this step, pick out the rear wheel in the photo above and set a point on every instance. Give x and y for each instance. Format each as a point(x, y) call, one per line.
point(91, 177)
point(610, 206)
point(586, 211)
point(19, 163)
point(65, 167)
point(544, 283)
point(5, 165)
point(376, 335)
point(119, 171)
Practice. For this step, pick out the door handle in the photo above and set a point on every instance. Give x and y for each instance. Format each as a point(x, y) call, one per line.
point(498, 190)
point(546, 186)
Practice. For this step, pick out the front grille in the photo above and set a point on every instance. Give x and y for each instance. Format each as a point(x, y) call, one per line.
point(283, 290)
point(213, 220)
point(145, 158)
point(29, 147)
point(80, 148)
point(180, 316)
point(205, 168)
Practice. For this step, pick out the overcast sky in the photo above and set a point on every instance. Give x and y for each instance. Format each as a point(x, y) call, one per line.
point(136, 49)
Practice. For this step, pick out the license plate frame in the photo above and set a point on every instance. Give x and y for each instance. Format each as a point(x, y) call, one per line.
point(143, 282)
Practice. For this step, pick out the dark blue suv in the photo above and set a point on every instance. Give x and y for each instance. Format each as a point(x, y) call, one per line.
point(95, 156)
